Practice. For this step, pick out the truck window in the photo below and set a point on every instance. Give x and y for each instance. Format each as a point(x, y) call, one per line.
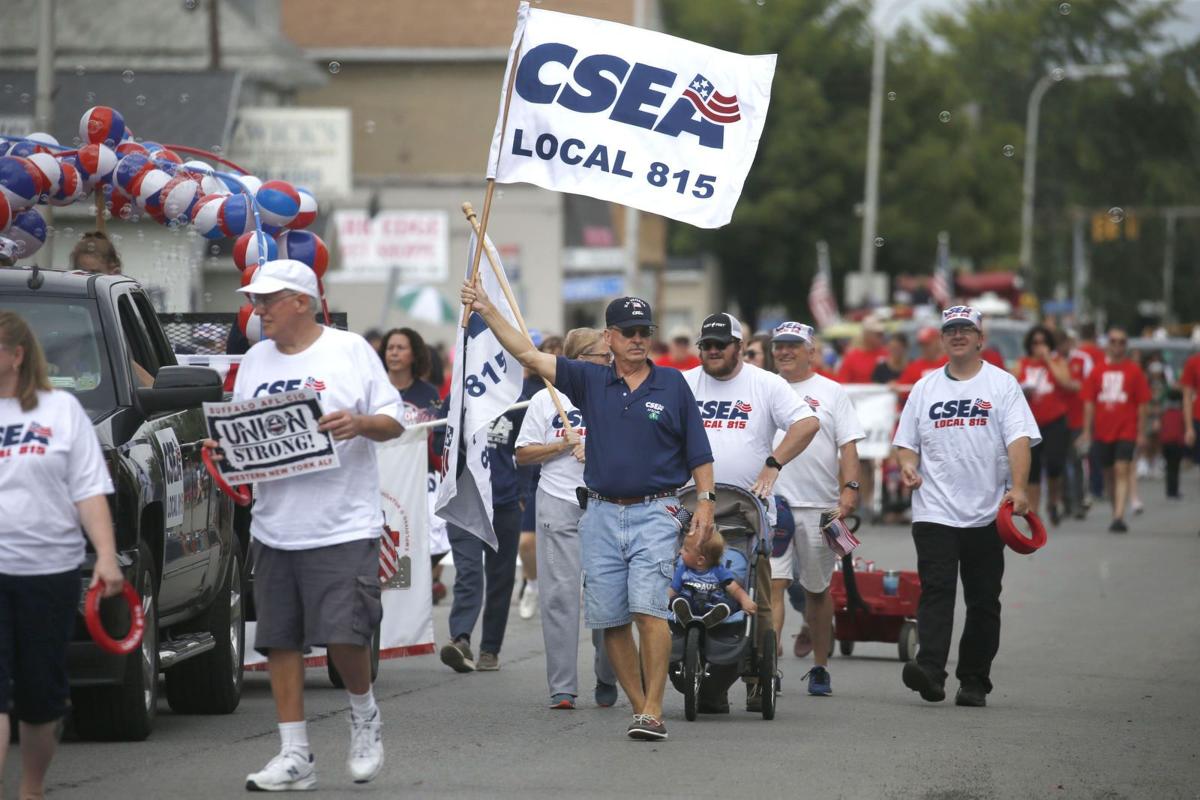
point(164, 355)
point(143, 362)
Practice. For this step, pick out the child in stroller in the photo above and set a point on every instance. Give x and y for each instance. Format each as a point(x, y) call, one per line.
point(703, 589)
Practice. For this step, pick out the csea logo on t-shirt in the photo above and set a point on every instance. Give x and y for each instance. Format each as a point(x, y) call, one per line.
point(20, 439)
point(277, 387)
point(724, 413)
point(960, 413)
point(1112, 387)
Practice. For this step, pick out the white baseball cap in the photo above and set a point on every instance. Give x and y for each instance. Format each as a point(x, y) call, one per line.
point(956, 316)
point(793, 332)
point(283, 275)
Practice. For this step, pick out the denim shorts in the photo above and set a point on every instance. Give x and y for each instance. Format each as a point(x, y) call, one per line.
point(628, 560)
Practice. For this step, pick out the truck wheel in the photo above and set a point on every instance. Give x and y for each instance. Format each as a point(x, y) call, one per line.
point(211, 683)
point(336, 679)
point(126, 712)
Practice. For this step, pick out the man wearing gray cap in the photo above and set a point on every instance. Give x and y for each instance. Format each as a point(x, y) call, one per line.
point(963, 444)
point(316, 536)
point(743, 408)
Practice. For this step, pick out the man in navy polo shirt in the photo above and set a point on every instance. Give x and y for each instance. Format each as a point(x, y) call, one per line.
point(645, 440)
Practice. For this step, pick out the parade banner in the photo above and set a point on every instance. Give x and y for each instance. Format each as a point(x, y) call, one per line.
point(407, 627)
point(486, 381)
point(875, 405)
point(271, 437)
point(630, 115)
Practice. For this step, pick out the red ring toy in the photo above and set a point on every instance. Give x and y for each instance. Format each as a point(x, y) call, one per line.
point(1016, 540)
point(95, 627)
point(240, 495)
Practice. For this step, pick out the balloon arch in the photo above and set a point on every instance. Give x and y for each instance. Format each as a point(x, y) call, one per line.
point(136, 179)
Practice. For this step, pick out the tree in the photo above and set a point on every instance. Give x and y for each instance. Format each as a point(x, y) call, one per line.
point(953, 138)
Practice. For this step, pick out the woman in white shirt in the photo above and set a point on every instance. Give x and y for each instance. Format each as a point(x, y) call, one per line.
point(52, 480)
point(543, 440)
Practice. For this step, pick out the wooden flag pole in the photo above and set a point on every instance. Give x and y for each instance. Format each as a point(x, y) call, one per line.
point(491, 183)
point(99, 209)
point(469, 213)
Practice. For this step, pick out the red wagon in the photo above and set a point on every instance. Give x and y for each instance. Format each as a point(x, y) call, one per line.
point(870, 615)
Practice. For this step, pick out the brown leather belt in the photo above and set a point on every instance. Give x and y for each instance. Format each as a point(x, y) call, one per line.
point(632, 501)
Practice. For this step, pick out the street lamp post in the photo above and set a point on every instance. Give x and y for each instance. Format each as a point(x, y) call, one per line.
point(866, 253)
point(1072, 72)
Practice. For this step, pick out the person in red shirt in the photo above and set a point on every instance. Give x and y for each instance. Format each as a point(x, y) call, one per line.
point(679, 352)
point(859, 362)
point(932, 357)
point(1189, 382)
point(1046, 380)
point(1087, 343)
point(1079, 365)
point(1116, 400)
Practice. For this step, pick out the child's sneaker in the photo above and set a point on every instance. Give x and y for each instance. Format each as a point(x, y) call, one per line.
point(682, 608)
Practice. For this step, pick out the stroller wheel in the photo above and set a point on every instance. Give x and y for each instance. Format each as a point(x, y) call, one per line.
point(693, 672)
point(766, 673)
point(846, 646)
point(908, 641)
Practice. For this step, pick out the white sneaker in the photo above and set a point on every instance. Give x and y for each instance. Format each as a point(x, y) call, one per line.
point(529, 601)
point(366, 748)
point(286, 772)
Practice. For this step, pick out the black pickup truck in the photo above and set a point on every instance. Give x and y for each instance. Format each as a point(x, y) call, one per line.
point(174, 529)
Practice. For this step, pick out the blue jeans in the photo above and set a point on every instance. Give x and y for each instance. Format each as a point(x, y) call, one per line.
point(628, 560)
point(473, 561)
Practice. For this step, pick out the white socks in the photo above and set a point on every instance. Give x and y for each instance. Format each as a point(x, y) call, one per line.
point(294, 736)
point(362, 706)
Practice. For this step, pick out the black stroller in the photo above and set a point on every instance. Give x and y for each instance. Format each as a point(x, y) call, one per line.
point(712, 659)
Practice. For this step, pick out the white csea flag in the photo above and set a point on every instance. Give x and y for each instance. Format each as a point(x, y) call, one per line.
point(630, 115)
point(487, 380)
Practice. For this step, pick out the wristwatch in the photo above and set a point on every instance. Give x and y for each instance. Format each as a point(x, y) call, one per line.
point(851, 485)
point(773, 464)
point(709, 496)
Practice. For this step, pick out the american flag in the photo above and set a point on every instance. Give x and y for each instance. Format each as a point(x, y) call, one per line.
point(711, 103)
point(942, 285)
point(41, 431)
point(821, 302)
point(983, 404)
point(314, 384)
point(813, 402)
point(389, 556)
point(840, 538)
point(743, 407)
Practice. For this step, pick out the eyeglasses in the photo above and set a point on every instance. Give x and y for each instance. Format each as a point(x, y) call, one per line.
point(268, 300)
point(713, 344)
point(644, 331)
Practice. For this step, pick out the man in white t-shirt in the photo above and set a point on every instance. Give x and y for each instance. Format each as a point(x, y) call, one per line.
point(743, 407)
point(963, 444)
point(316, 536)
point(824, 478)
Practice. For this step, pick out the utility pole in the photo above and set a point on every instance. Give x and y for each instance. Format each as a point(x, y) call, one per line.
point(44, 105)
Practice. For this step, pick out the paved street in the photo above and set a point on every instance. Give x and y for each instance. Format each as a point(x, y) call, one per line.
point(1097, 696)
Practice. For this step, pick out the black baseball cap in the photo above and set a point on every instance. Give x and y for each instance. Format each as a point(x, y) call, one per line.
point(720, 328)
point(628, 312)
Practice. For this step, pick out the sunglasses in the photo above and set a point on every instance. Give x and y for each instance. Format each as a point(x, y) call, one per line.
point(644, 331)
point(712, 344)
point(753, 353)
point(1121, 341)
point(268, 300)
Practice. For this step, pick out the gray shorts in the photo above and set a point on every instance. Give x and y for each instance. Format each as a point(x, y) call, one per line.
point(312, 598)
